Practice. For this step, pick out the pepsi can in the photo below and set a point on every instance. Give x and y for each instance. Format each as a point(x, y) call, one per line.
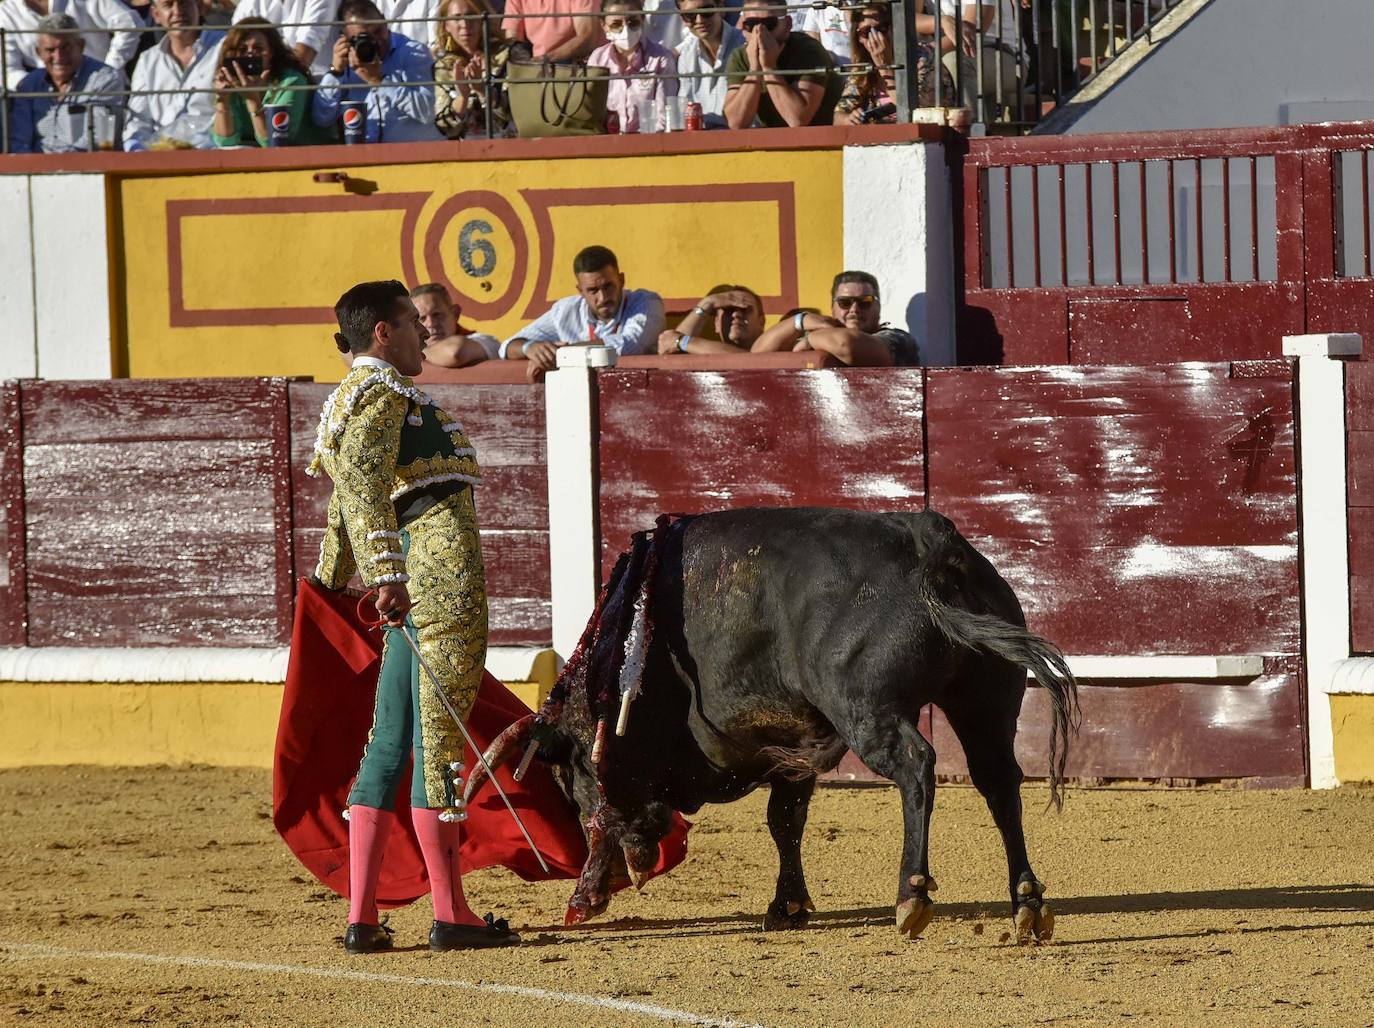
point(278, 118)
point(354, 120)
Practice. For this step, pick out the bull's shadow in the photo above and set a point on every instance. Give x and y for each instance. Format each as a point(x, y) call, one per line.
point(1349, 898)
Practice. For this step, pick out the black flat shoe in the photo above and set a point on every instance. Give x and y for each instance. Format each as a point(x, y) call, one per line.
point(367, 938)
point(496, 932)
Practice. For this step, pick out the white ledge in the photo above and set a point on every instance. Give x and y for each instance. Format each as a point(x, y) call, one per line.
point(1353, 677)
point(195, 664)
point(1180, 666)
point(1333, 344)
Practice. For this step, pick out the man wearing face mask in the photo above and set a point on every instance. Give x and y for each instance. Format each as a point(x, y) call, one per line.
point(759, 89)
point(854, 334)
point(630, 52)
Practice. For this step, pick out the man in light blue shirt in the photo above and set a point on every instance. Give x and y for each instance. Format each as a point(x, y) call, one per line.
point(603, 313)
point(709, 44)
point(372, 63)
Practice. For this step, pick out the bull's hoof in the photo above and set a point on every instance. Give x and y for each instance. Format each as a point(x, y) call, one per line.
point(578, 913)
point(913, 915)
point(1034, 918)
point(784, 914)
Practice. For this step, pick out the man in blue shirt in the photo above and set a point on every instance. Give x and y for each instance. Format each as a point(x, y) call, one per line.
point(396, 112)
point(63, 120)
point(603, 313)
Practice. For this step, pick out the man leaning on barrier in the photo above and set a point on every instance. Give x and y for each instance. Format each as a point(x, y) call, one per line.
point(854, 334)
point(113, 43)
point(758, 92)
point(179, 71)
point(603, 313)
point(72, 115)
point(374, 64)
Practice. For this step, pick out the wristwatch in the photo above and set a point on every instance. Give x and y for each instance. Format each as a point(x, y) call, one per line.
point(799, 321)
point(699, 309)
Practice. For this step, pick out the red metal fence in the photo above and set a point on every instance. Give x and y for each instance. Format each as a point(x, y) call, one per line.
point(1164, 247)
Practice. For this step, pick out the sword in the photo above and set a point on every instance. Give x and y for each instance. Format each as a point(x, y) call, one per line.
point(491, 773)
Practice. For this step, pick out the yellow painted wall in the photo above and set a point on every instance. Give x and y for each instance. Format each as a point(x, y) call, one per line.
point(231, 724)
point(262, 256)
point(1352, 724)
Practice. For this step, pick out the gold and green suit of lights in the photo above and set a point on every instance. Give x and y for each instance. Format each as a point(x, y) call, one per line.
point(402, 511)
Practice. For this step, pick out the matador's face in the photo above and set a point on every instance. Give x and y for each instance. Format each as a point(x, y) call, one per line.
point(405, 339)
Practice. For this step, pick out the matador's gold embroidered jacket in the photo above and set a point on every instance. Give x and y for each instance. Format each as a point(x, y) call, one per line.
point(380, 438)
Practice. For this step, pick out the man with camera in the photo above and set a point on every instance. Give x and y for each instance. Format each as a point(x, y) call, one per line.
point(372, 64)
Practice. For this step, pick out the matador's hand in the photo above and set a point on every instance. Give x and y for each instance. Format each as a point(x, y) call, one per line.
point(393, 601)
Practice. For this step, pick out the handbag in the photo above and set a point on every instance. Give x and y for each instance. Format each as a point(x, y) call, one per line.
point(572, 103)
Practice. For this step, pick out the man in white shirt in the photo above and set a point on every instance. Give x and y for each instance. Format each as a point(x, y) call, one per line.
point(310, 38)
point(830, 27)
point(398, 11)
point(19, 19)
point(710, 42)
point(186, 58)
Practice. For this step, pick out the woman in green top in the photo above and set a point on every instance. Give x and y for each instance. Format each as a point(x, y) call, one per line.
point(239, 118)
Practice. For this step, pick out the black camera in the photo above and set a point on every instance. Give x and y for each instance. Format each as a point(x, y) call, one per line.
point(365, 47)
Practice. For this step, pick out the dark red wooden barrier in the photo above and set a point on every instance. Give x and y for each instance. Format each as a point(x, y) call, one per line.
point(13, 579)
point(1139, 511)
point(689, 441)
point(505, 421)
point(1163, 247)
point(155, 512)
point(1359, 410)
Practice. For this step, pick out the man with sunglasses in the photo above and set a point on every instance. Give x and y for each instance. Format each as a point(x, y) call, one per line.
point(705, 52)
point(854, 334)
point(779, 77)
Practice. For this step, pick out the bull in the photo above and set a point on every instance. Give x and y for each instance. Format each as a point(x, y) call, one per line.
point(762, 644)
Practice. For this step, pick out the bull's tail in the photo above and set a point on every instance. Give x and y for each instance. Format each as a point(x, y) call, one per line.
point(987, 633)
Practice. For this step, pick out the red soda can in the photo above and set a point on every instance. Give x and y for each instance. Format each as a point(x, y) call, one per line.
point(692, 119)
point(612, 123)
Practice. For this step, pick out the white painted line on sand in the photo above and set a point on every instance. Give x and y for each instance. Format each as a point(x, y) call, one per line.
point(31, 951)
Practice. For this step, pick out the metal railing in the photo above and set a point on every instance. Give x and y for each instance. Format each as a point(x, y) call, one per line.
point(1006, 68)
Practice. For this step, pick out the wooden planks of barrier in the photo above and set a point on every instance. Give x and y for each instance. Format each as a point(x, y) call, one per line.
point(505, 421)
point(1359, 407)
point(152, 514)
point(13, 579)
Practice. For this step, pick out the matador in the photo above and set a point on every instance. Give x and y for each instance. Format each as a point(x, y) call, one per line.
point(402, 517)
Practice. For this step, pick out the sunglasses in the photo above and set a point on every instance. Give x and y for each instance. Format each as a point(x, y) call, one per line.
point(691, 16)
point(769, 23)
point(864, 302)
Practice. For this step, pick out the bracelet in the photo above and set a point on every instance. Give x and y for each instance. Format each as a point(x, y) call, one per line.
point(799, 321)
point(699, 309)
point(682, 343)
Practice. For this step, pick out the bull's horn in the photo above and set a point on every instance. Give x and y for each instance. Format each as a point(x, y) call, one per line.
point(502, 748)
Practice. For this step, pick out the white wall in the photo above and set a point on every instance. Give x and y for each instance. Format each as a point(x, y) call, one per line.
point(54, 277)
point(898, 224)
point(18, 350)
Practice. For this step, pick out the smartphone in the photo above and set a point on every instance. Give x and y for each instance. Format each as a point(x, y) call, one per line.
point(250, 66)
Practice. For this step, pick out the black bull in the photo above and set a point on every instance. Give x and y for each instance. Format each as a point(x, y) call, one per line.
point(779, 639)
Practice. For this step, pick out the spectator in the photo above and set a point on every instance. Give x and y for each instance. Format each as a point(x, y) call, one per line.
point(875, 88)
point(460, 108)
point(417, 19)
point(853, 335)
point(62, 121)
point(570, 35)
point(309, 36)
point(603, 313)
point(19, 23)
point(779, 101)
point(968, 26)
point(829, 26)
point(396, 112)
point(630, 52)
point(737, 313)
point(239, 118)
point(706, 50)
point(449, 344)
point(186, 57)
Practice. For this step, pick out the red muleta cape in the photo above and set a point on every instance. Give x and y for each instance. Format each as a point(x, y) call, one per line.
point(326, 713)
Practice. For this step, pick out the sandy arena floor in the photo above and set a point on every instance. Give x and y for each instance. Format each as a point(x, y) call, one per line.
point(163, 896)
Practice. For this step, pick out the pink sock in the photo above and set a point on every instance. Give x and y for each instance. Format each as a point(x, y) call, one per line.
point(368, 829)
point(439, 843)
